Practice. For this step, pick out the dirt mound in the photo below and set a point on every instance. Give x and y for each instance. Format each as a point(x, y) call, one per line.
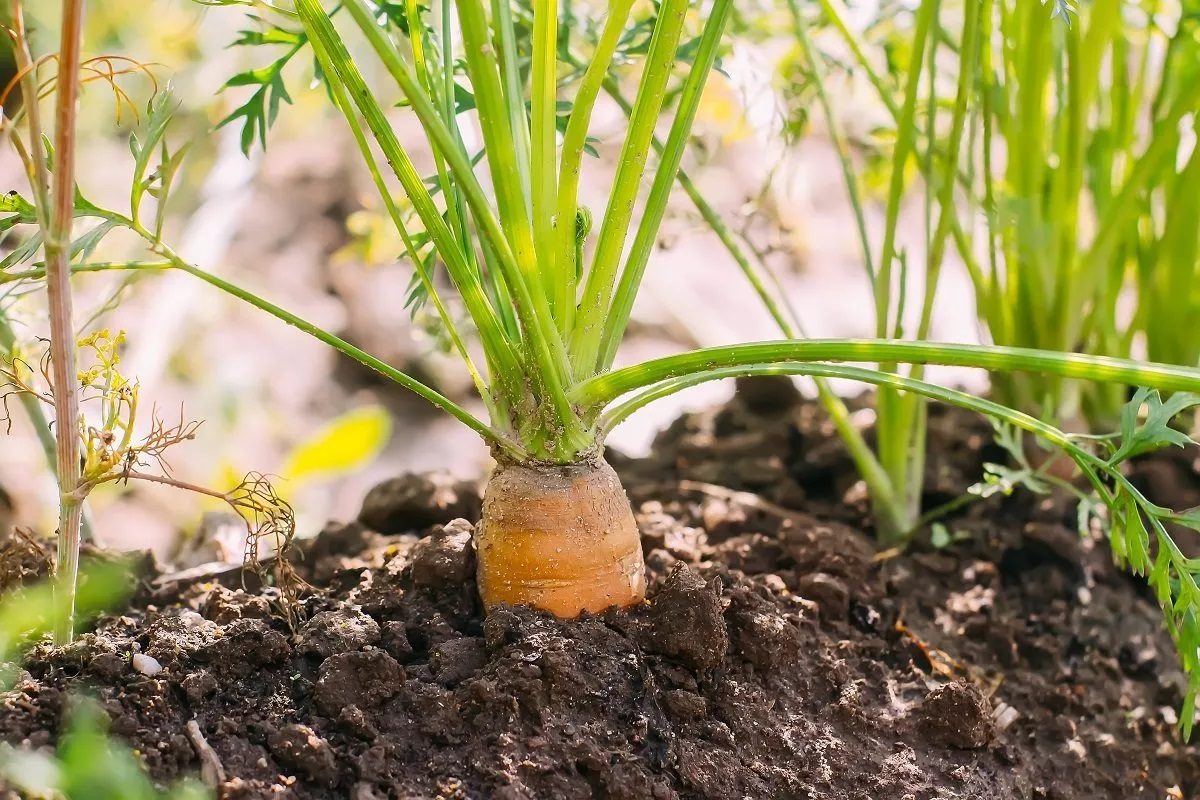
point(777, 657)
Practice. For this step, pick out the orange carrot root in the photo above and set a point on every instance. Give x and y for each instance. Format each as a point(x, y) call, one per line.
point(559, 538)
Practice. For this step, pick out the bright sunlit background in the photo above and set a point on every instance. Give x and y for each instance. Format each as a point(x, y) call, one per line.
point(300, 226)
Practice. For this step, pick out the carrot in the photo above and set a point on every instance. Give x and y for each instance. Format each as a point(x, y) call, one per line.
point(559, 538)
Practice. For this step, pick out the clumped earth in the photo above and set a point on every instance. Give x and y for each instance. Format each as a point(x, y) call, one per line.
point(778, 656)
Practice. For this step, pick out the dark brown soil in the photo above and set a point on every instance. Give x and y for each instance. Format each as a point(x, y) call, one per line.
point(777, 657)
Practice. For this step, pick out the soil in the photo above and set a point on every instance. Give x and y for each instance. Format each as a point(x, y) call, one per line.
point(779, 655)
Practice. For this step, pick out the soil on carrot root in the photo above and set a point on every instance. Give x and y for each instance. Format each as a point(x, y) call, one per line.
point(778, 655)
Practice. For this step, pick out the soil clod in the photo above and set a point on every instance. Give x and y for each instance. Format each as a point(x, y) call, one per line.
point(446, 557)
point(365, 679)
point(199, 686)
point(767, 394)
point(957, 715)
point(332, 632)
point(454, 661)
point(414, 502)
point(828, 592)
point(248, 646)
point(300, 748)
point(686, 620)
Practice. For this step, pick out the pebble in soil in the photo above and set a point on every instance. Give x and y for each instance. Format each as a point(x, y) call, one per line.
point(775, 657)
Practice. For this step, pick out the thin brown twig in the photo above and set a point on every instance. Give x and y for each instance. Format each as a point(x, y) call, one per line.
point(160, 439)
point(211, 770)
point(269, 516)
point(266, 515)
point(149, 477)
point(748, 499)
point(134, 66)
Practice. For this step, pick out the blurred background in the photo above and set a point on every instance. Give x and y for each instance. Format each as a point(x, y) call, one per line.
point(299, 225)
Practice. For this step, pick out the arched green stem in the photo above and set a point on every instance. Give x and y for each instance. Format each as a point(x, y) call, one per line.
point(601, 390)
point(173, 261)
point(1093, 466)
point(621, 411)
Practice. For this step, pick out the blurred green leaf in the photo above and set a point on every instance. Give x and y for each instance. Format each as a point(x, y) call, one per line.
point(88, 766)
point(348, 443)
point(145, 143)
point(30, 613)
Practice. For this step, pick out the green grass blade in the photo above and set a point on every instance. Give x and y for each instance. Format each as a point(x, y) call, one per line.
point(456, 207)
point(514, 94)
point(836, 13)
point(515, 258)
point(339, 67)
point(544, 148)
point(366, 359)
point(906, 134)
point(338, 93)
point(492, 105)
point(619, 412)
point(174, 261)
point(664, 180)
point(883, 497)
point(836, 136)
point(571, 165)
point(945, 200)
point(598, 288)
point(428, 80)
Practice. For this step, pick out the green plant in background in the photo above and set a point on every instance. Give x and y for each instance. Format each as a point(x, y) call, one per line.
point(1161, 236)
point(1099, 127)
point(901, 416)
point(1048, 173)
point(1073, 150)
point(1079, 177)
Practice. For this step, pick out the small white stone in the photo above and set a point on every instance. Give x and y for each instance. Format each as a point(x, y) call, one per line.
point(145, 664)
point(191, 619)
point(1004, 716)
